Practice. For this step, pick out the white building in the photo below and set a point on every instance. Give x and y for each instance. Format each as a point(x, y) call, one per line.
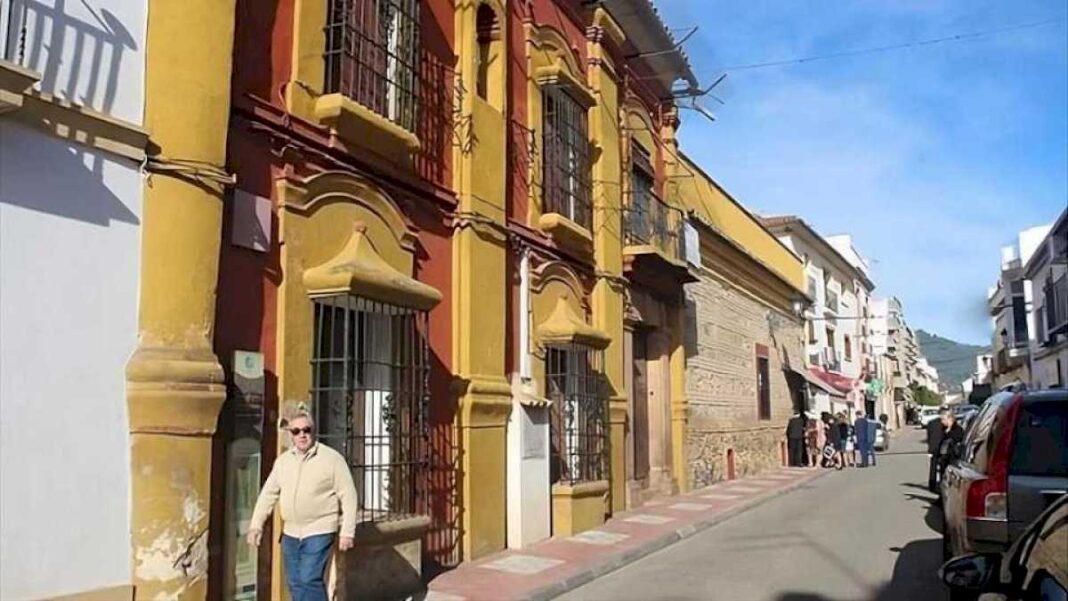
point(71, 143)
point(1046, 275)
point(1009, 302)
point(837, 351)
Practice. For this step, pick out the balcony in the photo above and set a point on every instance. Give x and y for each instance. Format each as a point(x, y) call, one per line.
point(653, 240)
point(15, 80)
point(832, 301)
point(1056, 309)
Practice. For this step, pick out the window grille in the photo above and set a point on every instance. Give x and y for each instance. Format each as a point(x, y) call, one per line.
point(579, 414)
point(372, 56)
point(566, 177)
point(370, 388)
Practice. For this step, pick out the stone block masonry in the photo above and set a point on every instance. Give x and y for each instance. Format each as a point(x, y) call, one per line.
point(725, 328)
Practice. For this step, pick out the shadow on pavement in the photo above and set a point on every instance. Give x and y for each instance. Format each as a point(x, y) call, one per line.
point(915, 577)
point(933, 516)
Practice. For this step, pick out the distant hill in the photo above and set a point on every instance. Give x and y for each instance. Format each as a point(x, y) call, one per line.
point(955, 361)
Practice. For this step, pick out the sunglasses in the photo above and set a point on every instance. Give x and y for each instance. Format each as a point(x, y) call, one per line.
point(299, 431)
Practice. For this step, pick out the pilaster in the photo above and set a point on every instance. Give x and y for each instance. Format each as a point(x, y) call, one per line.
point(609, 292)
point(174, 381)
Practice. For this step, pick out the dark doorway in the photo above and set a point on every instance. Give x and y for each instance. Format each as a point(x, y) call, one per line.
point(640, 367)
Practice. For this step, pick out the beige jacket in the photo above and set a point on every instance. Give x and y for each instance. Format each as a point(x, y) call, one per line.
point(315, 492)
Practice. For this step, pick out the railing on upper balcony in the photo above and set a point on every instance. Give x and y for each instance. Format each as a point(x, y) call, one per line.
point(650, 221)
point(13, 17)
point(1056, 307)
point(372, 56)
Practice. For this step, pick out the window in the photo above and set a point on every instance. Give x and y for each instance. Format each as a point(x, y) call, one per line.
point(812, 338)
point(812, 291)
point(640, 212)
point(488, 32)
point(1019, 319)
point(763, 389)
point(566, 174)
point(372, 55)
point(369, 386)
point(1041, 440)
point(579, 414)
point(848, 344)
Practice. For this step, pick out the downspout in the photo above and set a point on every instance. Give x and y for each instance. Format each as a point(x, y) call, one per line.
point(524, 315)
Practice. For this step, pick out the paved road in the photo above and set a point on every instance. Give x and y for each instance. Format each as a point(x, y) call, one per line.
point(855, 535)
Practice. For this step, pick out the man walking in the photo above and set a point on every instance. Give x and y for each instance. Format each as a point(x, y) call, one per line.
point(936, 432)
point(865, 439)
point(795, 439)
point(317, 497)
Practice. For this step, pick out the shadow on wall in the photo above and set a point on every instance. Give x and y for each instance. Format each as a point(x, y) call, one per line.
point(78, 60)
point(74, 187)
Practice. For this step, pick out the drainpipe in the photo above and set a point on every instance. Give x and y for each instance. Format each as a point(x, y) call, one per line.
point(524, 315)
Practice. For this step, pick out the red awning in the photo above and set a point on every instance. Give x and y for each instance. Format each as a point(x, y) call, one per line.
point(841, 383)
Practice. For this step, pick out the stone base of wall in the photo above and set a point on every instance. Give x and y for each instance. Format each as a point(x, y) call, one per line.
point(753, 451)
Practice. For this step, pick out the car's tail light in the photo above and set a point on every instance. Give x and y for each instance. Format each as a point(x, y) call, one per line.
point(988, 498)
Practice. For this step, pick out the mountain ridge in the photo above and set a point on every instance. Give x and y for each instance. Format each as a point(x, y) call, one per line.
point(955, 361)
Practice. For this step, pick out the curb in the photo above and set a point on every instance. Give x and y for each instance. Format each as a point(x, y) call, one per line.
point(551, 591)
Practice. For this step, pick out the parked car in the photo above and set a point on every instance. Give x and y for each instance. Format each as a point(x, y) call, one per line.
point(962, 412)
point(929, 414)
point(882, 439)
point(1013, 464)
point(1035, 567)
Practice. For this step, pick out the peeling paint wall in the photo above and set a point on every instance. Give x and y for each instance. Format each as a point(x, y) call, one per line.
point(69, 255)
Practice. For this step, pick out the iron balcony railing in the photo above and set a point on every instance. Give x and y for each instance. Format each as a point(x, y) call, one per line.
point(651, 221)
point(13, 18)
point(372, 56)
point(1057, 307)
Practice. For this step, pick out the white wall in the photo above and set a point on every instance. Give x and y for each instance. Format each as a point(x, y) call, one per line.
point(69, 255)
point(90, 52)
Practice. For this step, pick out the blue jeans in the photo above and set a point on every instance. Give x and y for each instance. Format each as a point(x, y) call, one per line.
point(867, 451)
point(305, 561)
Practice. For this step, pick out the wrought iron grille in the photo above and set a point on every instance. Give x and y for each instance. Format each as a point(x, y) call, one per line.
point(651, 221)
point(566, 173)
point(579, 416)
point(372, 56)
point(370, 388)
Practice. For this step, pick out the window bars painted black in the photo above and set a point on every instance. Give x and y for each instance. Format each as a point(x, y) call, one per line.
point(566, 188)
point(650, 220)
point(579, 415)
point(372, 56)
point(370, 388)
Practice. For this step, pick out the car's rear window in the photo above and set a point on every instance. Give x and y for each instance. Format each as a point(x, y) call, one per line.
point(1040, 446)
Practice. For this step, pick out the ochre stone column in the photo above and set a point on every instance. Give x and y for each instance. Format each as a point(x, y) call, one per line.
point(480, 287)
point(174, 382)
point(608, 294)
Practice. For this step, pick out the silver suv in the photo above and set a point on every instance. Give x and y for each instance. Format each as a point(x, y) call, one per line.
point(1013, 465)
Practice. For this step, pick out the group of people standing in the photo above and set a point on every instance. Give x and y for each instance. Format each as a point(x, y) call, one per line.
point(831, 440)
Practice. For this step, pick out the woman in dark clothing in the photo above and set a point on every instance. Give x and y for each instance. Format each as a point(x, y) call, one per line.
point(845, 430)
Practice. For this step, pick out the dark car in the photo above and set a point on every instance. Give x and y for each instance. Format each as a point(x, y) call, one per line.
point(1035, 567)
point(1013, 463)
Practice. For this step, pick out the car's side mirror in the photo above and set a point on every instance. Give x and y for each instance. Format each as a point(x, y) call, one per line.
point(971, 572)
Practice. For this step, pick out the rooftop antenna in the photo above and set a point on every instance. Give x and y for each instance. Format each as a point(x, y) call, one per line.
point(694, 93)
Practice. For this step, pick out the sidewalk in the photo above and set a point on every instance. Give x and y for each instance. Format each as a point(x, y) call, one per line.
point(555, 566)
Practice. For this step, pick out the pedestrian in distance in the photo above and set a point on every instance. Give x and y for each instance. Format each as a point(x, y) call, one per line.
point(936, 432)
point(816, 437)
point(950, 447)
point(845, 430)
point(795, 439)
point(318, 502)
point(871, 428)
point(860, 427)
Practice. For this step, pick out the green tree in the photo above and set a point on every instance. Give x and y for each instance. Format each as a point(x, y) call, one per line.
point(925, 397)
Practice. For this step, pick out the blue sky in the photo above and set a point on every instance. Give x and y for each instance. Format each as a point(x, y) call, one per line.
point(931, 157)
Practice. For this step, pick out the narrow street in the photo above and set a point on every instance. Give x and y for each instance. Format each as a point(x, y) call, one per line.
point(855, 535)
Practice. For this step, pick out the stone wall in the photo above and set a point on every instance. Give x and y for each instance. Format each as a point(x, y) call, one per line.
point(723, 328)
